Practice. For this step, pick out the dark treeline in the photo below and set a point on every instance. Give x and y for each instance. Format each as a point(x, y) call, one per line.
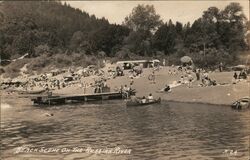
point(49, 26)
point(52, 28)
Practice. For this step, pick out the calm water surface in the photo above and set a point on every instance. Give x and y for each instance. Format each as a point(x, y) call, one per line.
point(164, 131)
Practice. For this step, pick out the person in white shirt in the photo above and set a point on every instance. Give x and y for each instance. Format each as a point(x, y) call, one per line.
point(150, 97)
point(126, 91)
point(143, 100)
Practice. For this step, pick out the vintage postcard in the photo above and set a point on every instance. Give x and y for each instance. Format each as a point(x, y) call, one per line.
point(125, 80)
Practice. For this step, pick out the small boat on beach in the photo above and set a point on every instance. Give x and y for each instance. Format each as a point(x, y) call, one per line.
point(139, 103)
point(243, 103)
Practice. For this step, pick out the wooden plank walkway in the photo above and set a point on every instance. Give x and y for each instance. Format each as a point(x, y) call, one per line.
point(76, 98)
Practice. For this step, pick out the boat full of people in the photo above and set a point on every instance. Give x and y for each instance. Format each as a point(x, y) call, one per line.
point(137, 101)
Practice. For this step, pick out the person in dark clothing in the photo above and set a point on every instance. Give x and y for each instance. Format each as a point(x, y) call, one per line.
point(197, 73)
point(244, 75)
point(235, 75)
point(167, 88)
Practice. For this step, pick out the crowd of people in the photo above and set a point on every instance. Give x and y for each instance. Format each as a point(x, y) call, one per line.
point(241, 75)
point(185, 75)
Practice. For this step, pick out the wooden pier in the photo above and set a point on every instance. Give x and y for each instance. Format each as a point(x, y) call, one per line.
point(56, 100)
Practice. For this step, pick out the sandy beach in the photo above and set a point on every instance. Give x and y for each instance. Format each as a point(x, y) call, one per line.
point(223, 94)
point(220, 94)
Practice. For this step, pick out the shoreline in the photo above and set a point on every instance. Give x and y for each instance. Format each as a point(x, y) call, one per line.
point(223, 95)
point(203, 103)
point(6, 98)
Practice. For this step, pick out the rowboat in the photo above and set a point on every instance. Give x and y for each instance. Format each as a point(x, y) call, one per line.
point(139, 103)
point(242, 103)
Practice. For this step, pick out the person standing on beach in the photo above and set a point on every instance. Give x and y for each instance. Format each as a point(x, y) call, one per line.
point(164, 62)
point(182, 79)
point(235, 75)
point(221, 66)
point(152, 77)
point(190, 79)
point(197, 73)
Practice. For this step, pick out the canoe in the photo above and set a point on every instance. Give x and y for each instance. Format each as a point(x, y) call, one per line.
point(139, 103)
point(242, 103)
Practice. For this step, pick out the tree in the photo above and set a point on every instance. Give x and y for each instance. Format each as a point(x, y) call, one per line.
point(231, 27)
point(212, 14)
point(143, 18)
point(165, 38)
point(233, 13)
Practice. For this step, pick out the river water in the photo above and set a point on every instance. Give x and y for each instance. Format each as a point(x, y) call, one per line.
point(110, 131)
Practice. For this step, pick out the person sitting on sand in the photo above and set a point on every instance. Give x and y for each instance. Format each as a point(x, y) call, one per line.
point(131, 81)
point(126, 91)
point(169, 72)
point(174, 73)
point(143, 100)
point(182, 80)
point(150, 97)
point(49, 114)
point(167, 88)
point(203, 81)
point(244, 75)
point(206, 75)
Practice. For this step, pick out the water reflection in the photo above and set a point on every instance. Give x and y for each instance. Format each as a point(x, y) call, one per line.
point(165, 131)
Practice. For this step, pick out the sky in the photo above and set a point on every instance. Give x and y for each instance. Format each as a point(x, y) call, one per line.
point(182, 11)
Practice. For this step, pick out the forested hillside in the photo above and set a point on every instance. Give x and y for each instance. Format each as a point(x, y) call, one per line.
point(38, 27)
point(56, 34)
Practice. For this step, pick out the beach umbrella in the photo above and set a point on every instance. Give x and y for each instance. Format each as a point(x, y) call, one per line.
point(186, 59)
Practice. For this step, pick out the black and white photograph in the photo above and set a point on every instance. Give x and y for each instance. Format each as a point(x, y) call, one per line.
point(125, 80)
